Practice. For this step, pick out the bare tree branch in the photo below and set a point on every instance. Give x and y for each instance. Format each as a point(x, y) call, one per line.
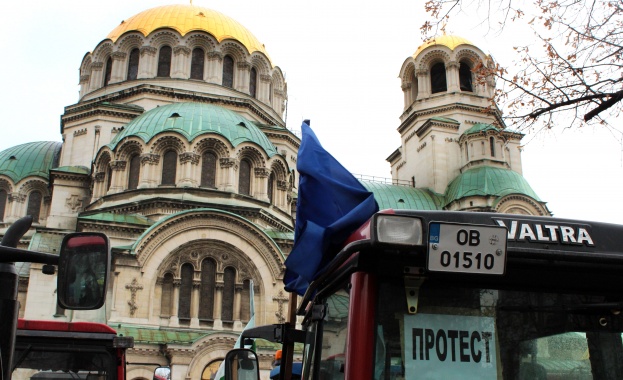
point(573, 78)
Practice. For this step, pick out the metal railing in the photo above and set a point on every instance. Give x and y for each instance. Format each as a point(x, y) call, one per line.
point(384, 180)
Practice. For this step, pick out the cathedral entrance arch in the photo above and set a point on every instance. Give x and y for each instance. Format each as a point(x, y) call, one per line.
point(200, 264)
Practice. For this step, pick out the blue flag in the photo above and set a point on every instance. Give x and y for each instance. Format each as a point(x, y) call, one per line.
point(331, 205)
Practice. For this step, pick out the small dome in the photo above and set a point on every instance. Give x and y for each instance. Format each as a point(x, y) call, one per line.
point(451, 42)
point(195, 119)
point(484, 181)
point(403, 197)
point(30, 159)
point(479, 128)
point(186, 19)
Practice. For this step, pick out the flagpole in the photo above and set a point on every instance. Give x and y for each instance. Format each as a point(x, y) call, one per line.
point(288, 346)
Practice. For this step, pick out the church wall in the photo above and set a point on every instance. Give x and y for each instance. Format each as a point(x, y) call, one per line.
point(71, 195)
point(83, 138)
point(514, 152)
point(41, 294)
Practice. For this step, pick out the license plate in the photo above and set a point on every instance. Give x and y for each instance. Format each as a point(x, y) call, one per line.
point(466, 248)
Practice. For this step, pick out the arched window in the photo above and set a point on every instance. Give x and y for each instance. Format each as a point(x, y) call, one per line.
point(465, 77)
point(245, 302)
point(3, 198)
point(438, 78)
point(227, 305)
point(186, 288)
point(164, 62)
point(197, 61)
point(228, 71)
point(34, 205)
point(166, 302)
point(133, 64)
point(107, 71)
point(208, 170)
point(133, 172)
point(169, 167)
point(244, 178)
point(271, 187)
point(210, 370)
point(206, 296)
point(253, 82)
point(492, 145)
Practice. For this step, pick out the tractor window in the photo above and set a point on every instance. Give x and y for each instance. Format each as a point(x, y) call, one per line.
point(332, 332)
point(63, 360)
point(461, 332)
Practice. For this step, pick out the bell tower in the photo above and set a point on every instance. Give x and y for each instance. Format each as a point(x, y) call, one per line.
point(449, 123)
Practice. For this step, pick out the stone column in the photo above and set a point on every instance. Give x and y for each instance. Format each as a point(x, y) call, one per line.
point(84, 84)
point(228, 168)
point(180, 63)
point(264, 88)
point(261, 184)
point(149, 164)
point(99, 185)
point(218, 306)
point(452, 76)
point(424, 89)
point(406, 91)
point(15, 207)
point(194, 304)
point(282, 194)
point(147, 62)
point(237, 302)
point(175, 302)
point(279, 101)
point(241, 83)
point(188, 162)
point(119, 177)
point(96, 76)
point(215, 67)
point(118, 67)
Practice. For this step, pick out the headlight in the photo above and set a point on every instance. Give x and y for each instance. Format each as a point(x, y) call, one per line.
point(396, 229)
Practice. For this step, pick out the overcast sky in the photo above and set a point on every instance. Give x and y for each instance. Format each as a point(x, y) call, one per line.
point(341, 60)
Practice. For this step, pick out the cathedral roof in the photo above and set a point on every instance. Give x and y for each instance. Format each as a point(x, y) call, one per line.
point(403, 197)
point(485, 180)
point(480, 127)
point(195, 119)
point(30, 159)
point(186, 18)
point(449, 41)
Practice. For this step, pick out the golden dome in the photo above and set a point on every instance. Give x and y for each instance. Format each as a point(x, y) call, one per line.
point(186, 19)
point(451, 42)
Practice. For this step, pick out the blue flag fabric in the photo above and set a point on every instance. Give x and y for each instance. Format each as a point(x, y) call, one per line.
point(331, 205)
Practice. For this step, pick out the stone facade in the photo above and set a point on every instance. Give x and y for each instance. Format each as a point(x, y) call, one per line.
point(178, 151)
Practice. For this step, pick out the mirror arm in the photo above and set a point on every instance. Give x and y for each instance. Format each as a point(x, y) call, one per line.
point(9, 255)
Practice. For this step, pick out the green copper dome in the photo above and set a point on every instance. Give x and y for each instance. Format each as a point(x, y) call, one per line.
point(30, 159)
point(403, 197)
point(192, 120)
point(484, 181)
point(480, 127)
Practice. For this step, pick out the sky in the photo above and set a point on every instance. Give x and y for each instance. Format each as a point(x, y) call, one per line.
point(341, 61)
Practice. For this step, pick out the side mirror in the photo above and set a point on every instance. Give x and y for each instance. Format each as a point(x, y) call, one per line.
point(162, 373)
point(241, 364)
point(83, 267)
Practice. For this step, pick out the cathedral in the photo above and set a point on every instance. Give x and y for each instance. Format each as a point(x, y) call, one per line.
point(177, 149)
